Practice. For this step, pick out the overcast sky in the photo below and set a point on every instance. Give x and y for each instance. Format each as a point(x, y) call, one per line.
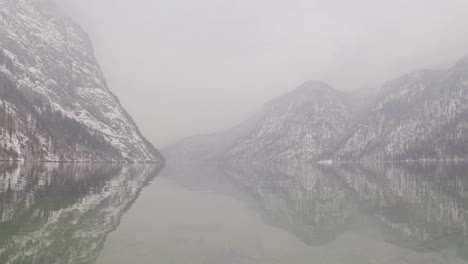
point(185, 67)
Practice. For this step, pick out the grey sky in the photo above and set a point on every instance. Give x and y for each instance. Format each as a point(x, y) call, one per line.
point(184, 67)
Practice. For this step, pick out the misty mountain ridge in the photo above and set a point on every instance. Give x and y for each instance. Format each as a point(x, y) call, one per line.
point(421, 115)
point(54, 101)
point(301, 125)
point(55, 106)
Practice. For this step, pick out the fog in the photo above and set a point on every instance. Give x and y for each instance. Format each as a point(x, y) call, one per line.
point(184, 67)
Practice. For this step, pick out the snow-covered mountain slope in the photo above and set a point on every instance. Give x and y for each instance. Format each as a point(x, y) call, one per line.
point(299, 126)
point(54, 101)
point(423, 115)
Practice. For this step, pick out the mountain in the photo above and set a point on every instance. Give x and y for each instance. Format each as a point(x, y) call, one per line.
point(208, 148)
point(54, 101)
point(420, 116)
point(299, 126)
point(423, 115)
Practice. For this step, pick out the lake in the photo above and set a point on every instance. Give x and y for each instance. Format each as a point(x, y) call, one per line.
point(188, 213)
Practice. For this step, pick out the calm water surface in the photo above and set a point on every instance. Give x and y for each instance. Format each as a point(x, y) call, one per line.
point(106, 214)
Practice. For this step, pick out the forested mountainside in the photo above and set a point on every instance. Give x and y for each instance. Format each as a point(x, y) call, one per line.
point(54, 101)
point(422, 115)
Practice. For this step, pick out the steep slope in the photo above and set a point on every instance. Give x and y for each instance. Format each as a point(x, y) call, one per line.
point(54, 101)
point(423, 115)
point(299, 126)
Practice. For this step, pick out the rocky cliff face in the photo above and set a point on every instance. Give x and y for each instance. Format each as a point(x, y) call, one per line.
point(54, 101)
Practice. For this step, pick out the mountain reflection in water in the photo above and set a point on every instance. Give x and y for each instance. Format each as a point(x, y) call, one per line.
point(61, 213)
point(295, 213)
point(420, 207)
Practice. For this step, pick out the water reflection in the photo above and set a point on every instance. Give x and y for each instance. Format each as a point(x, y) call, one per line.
point(309, 201)
point(353, 213)
point(61, 213)
point(421, 207)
